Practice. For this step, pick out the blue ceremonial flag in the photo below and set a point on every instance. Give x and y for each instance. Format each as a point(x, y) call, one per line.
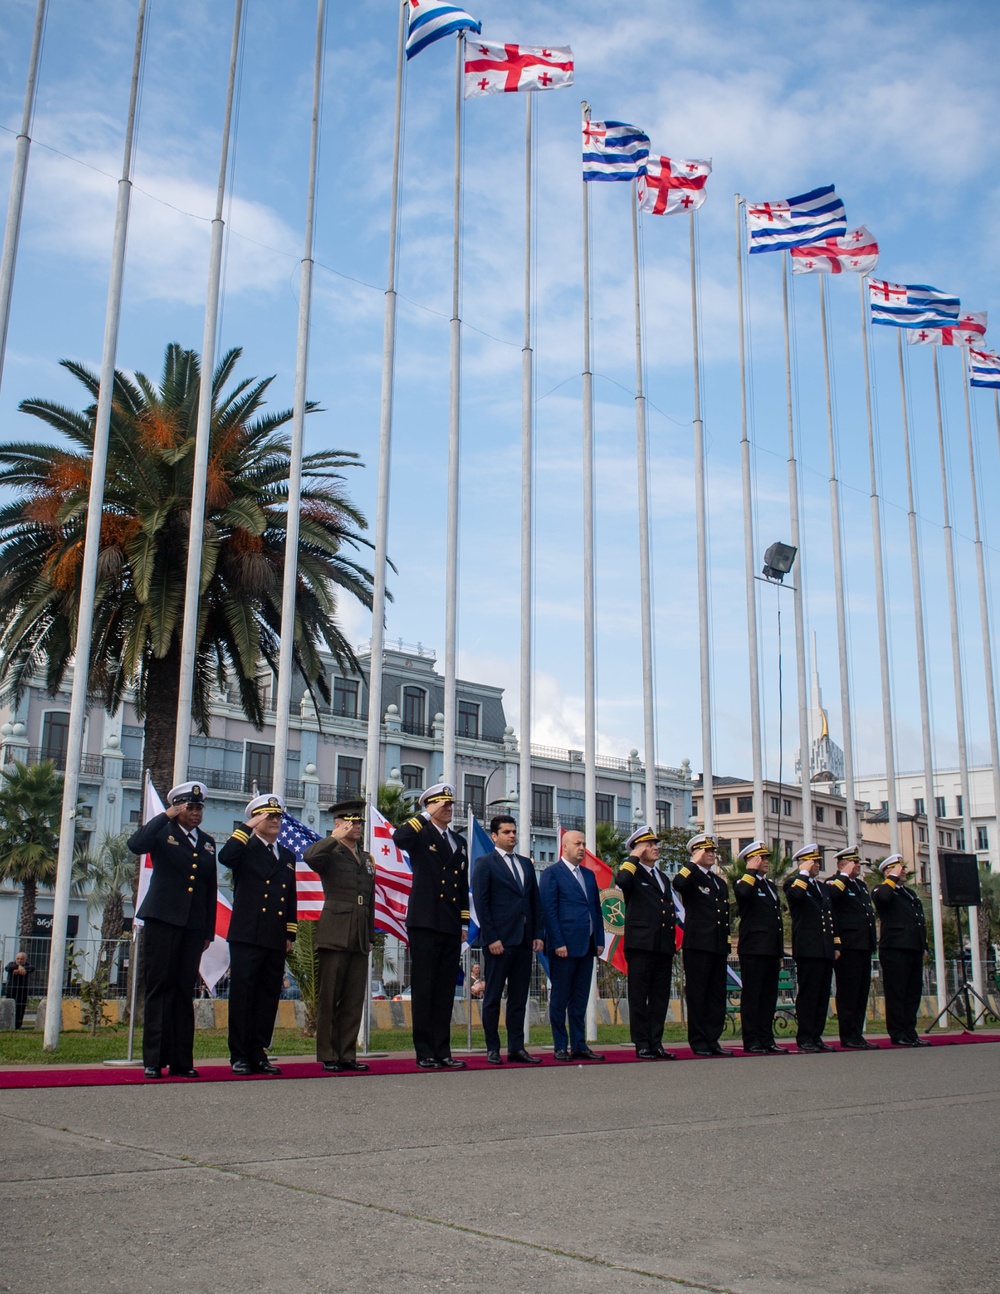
point(480, 843)
point(614, 150)
point(796, 222)
point(911, 305)
point(431, 20)
point(984, 368)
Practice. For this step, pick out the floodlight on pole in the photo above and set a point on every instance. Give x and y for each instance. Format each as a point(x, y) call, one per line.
point(778, 561)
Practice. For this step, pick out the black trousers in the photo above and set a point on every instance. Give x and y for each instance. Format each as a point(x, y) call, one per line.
point(903, 980)
point(758, 999)
point(172, 957)
point(255, 977)
point(434, 963)
point(812, 1002)
point(20, 1001)
point(513, 968)
point(341, 985)
point(853, 970)
point(705, 993)
point(648, 996)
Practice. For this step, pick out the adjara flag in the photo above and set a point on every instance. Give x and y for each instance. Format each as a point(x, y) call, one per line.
point(796, 222)
point(505, 69)
point(431, 20)
point(984, 368)
point(856, 252)
point(669, 185)
point(911, 305)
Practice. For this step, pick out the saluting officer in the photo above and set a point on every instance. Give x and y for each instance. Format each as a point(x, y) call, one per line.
point(178, 915)
point(705, 946)
point(262, 928)
point(345, 935)
point(437, 914)
point(761, 947)
point(902, 943)
point(814, 946)
point(650, 942)
point(854, 919)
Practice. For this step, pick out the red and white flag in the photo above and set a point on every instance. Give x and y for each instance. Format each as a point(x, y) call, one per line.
point(857, 252)
point(215, 958)
point(308, 892)
point(969, 331)
point(393, 877)
point(152, 805)
point(670, 185)
point(504, 69)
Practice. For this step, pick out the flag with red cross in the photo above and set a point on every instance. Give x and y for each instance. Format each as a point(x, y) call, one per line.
point(504, 69)
point(670, 185)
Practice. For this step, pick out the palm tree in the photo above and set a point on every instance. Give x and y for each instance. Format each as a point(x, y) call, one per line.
point(140, 594)
point(108, 877)
point(30, 807)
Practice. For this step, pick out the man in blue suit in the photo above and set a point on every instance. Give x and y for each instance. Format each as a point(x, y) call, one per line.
point(574, 935)
point(505, 891)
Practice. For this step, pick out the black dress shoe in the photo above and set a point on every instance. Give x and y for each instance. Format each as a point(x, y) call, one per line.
point(775, 1050)
point(561, 1055)
point(494, 1058)
point(523, 1057)
point(755, 1051)
point(584, 1053)
point(332, 1067)
point(722, 1052)
point(183, 1073)
point(449, 1062)
point(808, 1046)
point(663, 1055)
point(243, 1068)
point(701, 1053)
point(355, 1066)
point(856, 1046)
point(645, 1053)
point(428, 1062)
point(920, 1042)
point(265, 1067)
point(151, 1072)
point(823, 1046)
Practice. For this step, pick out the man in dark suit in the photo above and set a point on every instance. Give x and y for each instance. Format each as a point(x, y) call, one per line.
point(705, 896)
point(574, 936)
point(814, 946)
point(761, 948)
point(650, 942)
point(178, 915)
point(262, 928)
point(854, 919)
point(902, 943)
point(345, 935)
point(436, 920)
point(505, 891)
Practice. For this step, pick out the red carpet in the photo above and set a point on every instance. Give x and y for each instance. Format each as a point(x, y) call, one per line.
point(403, 1063)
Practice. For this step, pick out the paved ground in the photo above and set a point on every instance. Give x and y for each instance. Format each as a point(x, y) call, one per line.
point(812, 1175)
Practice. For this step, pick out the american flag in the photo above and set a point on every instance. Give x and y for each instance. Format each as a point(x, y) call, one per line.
point(796, 222)
point(297, 837)
point(393, 877)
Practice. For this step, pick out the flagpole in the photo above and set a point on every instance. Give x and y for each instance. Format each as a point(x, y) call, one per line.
point(878, 552)
point(701, 533)
point(88, 574)
point(203, 432)
point(454, 447)
point(527, 425)
point(589, 580)
point(925, 716)
point(956, 665)
point(749, 563)
point(15, 205)
point(373, 757)
point(286, 653)
point(645, 595)
point(798, 589)
point(838, 581)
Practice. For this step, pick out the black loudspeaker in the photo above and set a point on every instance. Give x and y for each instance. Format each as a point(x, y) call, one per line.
point(959, 880)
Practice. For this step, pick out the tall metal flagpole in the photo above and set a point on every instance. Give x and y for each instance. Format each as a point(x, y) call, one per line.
point(589, 585)
point(527, 426)
point(88, 575)
point(203, 430)
point(925, 708)
point(878, 552)
point(956, 667)
point(749, 565)
point(286, 655)
point(454, 448)
point(15, 205)
point(701, 532)
point(799, 586)
point(838, 581)
point(373, 758)
point(645, 581)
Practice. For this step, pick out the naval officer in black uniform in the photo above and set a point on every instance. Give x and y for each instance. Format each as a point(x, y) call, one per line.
point(761, 948)
point(814, 947)
point(178, 915)
point(436, 920)
point(854, 919)
point(902, 943)
point(705, 946)
point(262, 928)
point(650, 942)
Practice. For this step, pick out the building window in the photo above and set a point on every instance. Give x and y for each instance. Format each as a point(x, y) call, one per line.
point(884, 804)
point(918, 806)
point(541, 805)
point(960, 840)
point(722, 805)
point(786, 808)
point(413, 777)
point(789, 849)
point(663, 814)
point(605, 808)
point(695, 806)
point(475, 795)
point(982, 838)
point(55, 737)
point(414, 711)
point(820, 813)
point(260, 765)
point(744, 841)
point(348, 777)
point(774, 804)
point(945, 839)
point(468, 720)
point(744, 804)
point(922, 835)
point(839, 814)
point(960, 808)
point(725, 849)
point(939, 808)
point(345, 697)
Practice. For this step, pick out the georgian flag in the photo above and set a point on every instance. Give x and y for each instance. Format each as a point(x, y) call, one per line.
point(856, 251)
point(613, 150)
point(984, 368)
point(796, 222)
point(671, 185)
point(968, 332)
point(911, 305)
point(431, 20)
point(503, 69)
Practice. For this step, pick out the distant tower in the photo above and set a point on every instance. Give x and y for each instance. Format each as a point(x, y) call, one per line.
point(826, 759)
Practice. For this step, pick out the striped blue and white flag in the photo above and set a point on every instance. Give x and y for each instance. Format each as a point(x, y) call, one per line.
point(984, 368)
point(614, 150)
point(911, 305)
point(431, 20)
point(796, 222)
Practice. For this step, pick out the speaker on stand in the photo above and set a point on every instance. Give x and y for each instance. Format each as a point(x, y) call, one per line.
point(960, 889)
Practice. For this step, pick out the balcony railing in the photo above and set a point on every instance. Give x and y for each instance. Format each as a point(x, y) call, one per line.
point(131, 770)
point(90, 765)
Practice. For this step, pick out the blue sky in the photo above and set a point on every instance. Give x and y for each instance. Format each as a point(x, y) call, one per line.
point(895, 104)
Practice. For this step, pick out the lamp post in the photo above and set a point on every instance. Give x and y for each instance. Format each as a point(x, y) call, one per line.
point(778, 561)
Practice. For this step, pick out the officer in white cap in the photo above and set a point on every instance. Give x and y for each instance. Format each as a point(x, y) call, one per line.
point(902, 944)
point(436, 921)
point(761, 948)
point(854, 918)
point(262, 928)
point(814, 946)
point(650, 942)
point(705, 947)
point(178, 915)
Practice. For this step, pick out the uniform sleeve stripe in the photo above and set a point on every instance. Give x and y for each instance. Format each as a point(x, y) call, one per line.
point(799, 885)
point(749, 878)
point(465, 916)
point(628, 867)
point(685, 871)
point(241, 836)
point(293, 927)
